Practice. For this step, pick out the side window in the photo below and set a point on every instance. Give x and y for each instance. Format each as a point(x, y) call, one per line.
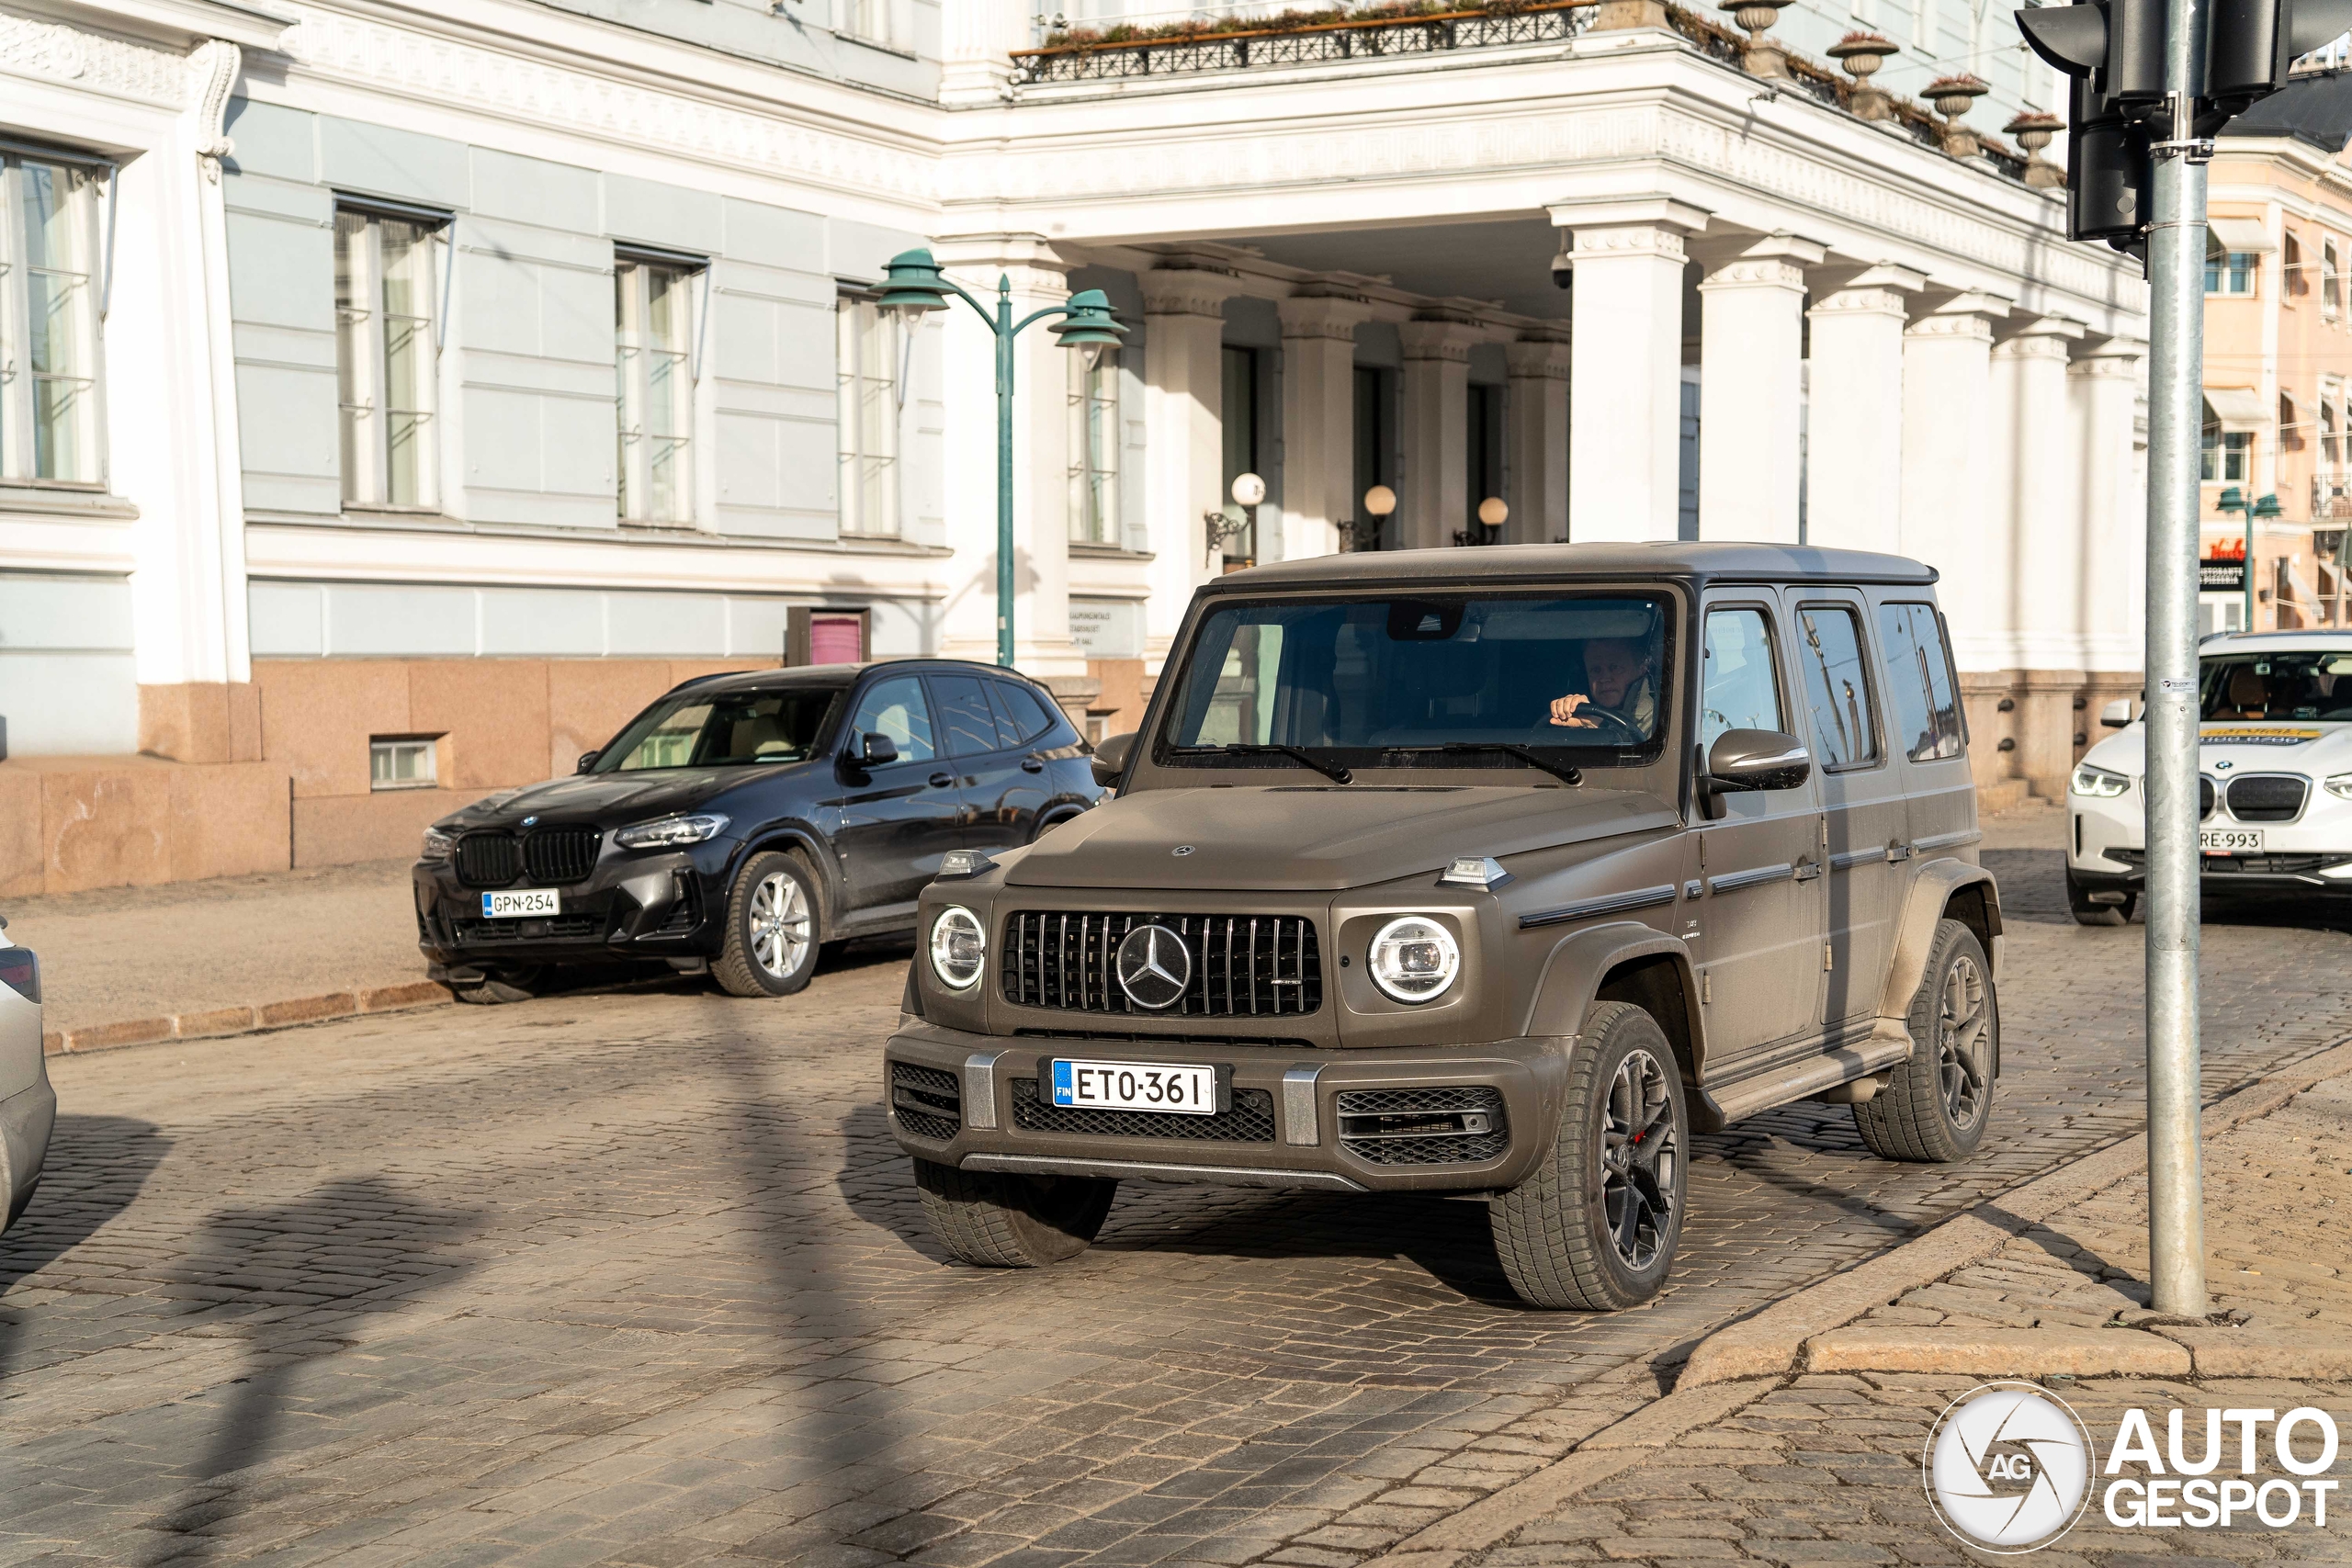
point(1919, 682)
point(896, 707)
point(1741, 687)
point(1019, 717)
point(1836, 687)
point(965, 721)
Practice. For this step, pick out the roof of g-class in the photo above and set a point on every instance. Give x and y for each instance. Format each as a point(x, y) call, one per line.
point(1681, 559)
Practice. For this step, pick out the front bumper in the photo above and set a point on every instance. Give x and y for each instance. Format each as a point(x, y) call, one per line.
point(27, 1118)
point(655, 905)
point(973, 1101)
point(2105, 850)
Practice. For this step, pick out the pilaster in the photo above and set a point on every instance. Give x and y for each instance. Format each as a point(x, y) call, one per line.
point(1854, 430)
point(1183, 417)
point(1751, 389)
point(1947, 430)
point(2103, 383)
point(1433, 435)
point(1538, 415)
point(981, 37)
point(1319, 419)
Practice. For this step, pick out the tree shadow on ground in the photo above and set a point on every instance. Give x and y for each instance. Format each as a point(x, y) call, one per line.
point(97, 1165)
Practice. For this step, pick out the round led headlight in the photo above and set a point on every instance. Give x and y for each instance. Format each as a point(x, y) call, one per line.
point(959, 948)
point(1414, 959)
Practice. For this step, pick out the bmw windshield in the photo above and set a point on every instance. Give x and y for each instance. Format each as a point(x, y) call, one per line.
point(1546, 680)
point(708, 730)
point(2286, 685)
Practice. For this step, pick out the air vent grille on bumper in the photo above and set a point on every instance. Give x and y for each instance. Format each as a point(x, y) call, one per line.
point(1251, 1119)
point(2268, 798)
point(1423, 1126)
point(927, 1102)
point(1242, 965)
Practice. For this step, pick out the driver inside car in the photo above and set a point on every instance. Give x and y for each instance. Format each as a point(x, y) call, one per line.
point(1619, 671)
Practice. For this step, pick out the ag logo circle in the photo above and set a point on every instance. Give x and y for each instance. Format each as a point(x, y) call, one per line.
point(2008, 1467)
point(1154, 967)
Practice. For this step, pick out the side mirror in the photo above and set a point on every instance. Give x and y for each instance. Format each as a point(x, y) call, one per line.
point(587, 761)
point(1757, 760)
point(875, 751)
point(1110, 760)
point(2116, 714)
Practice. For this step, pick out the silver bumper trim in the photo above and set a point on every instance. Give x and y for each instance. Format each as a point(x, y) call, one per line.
point(1138, 1170)
point(1300, 1124)
point(979, 1089)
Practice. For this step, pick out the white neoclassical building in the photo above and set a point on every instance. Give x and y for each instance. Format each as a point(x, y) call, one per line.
point(397, 395)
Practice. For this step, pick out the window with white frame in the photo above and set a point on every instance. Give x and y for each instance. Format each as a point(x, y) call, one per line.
point(866, 370)
point(402, 761)
point(2228, 271)
point(873, 21)
point(1094, 446)
point(49, 280)
point(2331, 281)
point(385, 355)
point(653, 316)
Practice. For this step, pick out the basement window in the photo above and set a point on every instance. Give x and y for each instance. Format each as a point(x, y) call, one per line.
point(402, 761)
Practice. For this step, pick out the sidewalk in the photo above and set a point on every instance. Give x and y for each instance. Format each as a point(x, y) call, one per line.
point(1818, 1460)
point(271, 947)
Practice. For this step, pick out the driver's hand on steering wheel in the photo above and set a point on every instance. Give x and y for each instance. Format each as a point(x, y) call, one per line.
point(1564, 712)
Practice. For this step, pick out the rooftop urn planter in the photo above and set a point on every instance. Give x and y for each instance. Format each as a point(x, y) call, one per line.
point(1953, 96)
point(1762, 57)
point(1861, 53)
point(2033, 132)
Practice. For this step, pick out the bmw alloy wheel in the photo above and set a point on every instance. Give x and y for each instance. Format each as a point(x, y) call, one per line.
point(779, 921)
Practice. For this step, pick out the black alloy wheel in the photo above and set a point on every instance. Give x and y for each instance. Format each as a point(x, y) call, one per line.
point(1938, 1102)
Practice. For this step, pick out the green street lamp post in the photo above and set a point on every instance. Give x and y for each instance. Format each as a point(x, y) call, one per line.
point(2233, 500)
point(917, 287)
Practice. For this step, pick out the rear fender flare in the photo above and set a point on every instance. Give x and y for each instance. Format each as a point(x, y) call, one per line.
point(1583, 960)
point(1931, 898)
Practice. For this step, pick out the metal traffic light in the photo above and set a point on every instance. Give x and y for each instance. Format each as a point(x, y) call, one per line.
point(2250, 43)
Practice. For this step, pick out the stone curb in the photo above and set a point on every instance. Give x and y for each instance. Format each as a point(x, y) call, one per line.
point(1992, 1350)
point(1773, 1341)
point(260, 1016)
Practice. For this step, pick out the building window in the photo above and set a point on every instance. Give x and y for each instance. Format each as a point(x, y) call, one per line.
point(49, 326)
point(1375, 453)
point(2331, 281)
point(1485, 463)
point(872, 21)
point(867, 370)
point(653, 319)
point(2290, 265)
point(402, 761)
point(2330, 447)
point(2228, 272)
point(386, 361)
point(1240, 424)
point(1094, 447)
point(2225, 457)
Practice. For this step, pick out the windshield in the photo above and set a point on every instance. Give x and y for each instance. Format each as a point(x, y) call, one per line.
point(2275, 685)
point(709, 729)
point(1581, 677)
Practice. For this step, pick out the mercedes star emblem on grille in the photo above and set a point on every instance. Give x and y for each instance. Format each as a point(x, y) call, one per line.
point(1154, 967)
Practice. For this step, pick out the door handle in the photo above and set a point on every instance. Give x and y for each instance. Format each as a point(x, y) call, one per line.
point(1031, 765)
point(1807, 870)
point(1897, 851)
point(943, 781)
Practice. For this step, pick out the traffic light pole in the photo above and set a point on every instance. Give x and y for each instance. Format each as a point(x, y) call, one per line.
point(2175, 374)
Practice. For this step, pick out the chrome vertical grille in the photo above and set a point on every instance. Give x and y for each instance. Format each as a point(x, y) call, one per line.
point(1242, 965)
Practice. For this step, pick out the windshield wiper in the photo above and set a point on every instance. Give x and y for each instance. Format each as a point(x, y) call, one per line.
point(1332, 771)
point(1560, 771)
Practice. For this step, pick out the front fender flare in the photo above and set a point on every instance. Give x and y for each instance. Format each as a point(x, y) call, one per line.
point(1582, 960)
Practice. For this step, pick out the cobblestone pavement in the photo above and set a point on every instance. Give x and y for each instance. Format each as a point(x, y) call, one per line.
point(1826, 1469)
point(639, 1278)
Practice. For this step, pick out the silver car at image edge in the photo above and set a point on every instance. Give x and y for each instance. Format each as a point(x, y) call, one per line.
point(28, 1105)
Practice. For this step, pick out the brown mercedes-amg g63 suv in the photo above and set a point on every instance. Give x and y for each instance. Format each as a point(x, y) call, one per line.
point(1493, 872)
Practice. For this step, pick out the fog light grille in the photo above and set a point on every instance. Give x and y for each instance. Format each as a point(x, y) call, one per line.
point(926, 1101)
point(1450, 1125)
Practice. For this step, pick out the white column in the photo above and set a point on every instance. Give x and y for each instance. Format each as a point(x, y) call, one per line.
point(1434, 434)
point(1854, 447)
point(1319, 420)
point(2038, 485)
point(1184, 401)
point(1538, 415)
point(1040, 458)
point(1625, 389)
point(1751, 388)
point(2103, 383)
point(980, 37)
point(1949, 510)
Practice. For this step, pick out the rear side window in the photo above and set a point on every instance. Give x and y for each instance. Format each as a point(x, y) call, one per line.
point(1019, 717)
point(1741, 689)
point(965, 721)
point(1836, 687)
point(1921, 692)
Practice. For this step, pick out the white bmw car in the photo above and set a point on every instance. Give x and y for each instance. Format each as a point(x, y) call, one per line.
point(2275, 796)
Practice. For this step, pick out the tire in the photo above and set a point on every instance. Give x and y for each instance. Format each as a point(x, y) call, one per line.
point(1935, 1108)
point(2086, 913)
point(497, 987)
point(999, 1220)
point(1595, 1228)
point(773, 929)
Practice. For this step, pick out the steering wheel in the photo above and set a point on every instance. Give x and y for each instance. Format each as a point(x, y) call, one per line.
point(1609, 728)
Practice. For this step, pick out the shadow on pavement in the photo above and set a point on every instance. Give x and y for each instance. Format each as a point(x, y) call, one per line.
point(96, 1167)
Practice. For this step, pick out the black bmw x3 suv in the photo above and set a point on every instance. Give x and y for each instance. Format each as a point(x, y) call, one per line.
point(743, 820)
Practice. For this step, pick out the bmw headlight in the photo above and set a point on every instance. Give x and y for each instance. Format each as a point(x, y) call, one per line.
point(959, 948)
point(438, 845)
point(668, 832)
point(2097, 783)
point(1414, 959)
point(2339, 786)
